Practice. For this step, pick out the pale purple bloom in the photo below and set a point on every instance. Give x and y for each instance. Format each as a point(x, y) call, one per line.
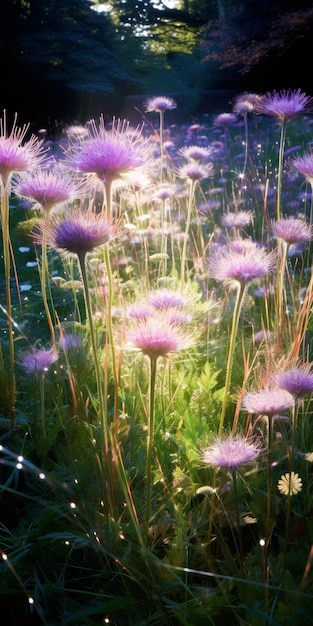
point(284, 104)
point(15, 154)
point(244, 103)
point(225, 119)
point(140, 310)
point(70, 341)
point(230, 453)
point(80, 234)
point(244, 264)
point(38, 361)
point(240, 219)
point(292, 230)
point(166, 298)
point(156, 337)
point(196, 153)
point(297, 380)
point(47, 188)
point(304, 165)
point(268, 401)
point(196, 171)
point(109, 154)
point(160, 104)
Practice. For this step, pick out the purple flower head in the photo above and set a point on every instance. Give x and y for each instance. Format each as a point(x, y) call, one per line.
point(304, 165)
point(268, 401)
point(230, 453)
point(80, 234)
point(140, 310)
point(15, 154)
point(160, 104)
point(245, 103)
point(298, 381)
point(225, 119)
point(196, 153)
point(292, 230)
point(38, 361)
point(47, 188)
point(237, 220)
point(156, 337)
point(109, 154)
point(70, 341)
point(196, 171)
point(166, 299)
point(244, 264)
point(284, 104)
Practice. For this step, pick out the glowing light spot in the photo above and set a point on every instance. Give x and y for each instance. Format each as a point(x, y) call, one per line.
point(4, 556)
point(31, 600)
point(73, 505)
point(20, 459)
point(262, 543)
point(42, 476)
point(19, 466)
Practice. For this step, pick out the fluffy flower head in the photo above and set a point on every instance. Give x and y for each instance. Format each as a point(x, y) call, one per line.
point(268, 401)
point(230, 453)
point(304, 165)
point(297, 380)
point(156, 337)
point(284, 104)
point(292, 230)
point(196, 153)
point(244, 264)
point(38, 361)
point(196, 171)
point(160, 104)
point(109, 154)
point(80, 234)
point(166, 298)
point(15, 154)
point(47, 188)
point(240, 219)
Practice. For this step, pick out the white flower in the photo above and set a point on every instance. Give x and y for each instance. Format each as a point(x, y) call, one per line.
point(290, 484)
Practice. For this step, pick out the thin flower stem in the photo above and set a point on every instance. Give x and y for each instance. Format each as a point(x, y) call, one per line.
point(102, 403)
point(280, 166)
point(232, 343)
point(186, 234)
point(110, 329)
point(43, 276)
point(150, 439)
point(234, 476)
point(269, 480)
point(281, 292)
point(6, 258)
point(43, 406)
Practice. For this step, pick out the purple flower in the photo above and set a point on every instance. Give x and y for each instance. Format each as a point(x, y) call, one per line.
point(225, 119)
point(196, 153)
point(268, 401)
point(80, 234)
point(240, 219)
point(47, 187)
point(284, 104)
point(156, 337)
point(110, 153)
point(160, 104)
point(304, 165)
point(230, 453)
point(292, 230)
point(242, 262)
point(15, 154)
point(298, 381)
point(166, 298)
point(196, 171)
point(245, 102)
point(70, 341)
point(38, 361)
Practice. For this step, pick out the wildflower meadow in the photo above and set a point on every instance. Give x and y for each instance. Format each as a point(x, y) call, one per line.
point(156, 380)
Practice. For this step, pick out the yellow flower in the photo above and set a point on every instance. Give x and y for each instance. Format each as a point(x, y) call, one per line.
point(290, 484)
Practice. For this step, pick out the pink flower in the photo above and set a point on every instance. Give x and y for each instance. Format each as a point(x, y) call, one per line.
point(237, 220)
point(284, 104)
point(268, 401)
point(225, 119)
point(15, 154)
point(196, 153)
point(156, 337)
point(166, 298)
point(160, 104)
point(244, 264)
point(292, 230)
point(47, 188)
point(110, 153)
point(230, 453)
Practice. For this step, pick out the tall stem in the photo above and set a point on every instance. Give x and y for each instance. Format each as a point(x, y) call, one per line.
point(102, 403)
point(7, 266)
point(231, 350)
point(110, 330)
point(280, 166)
point(153, 368)
point(187, 227)
point(43, 276)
